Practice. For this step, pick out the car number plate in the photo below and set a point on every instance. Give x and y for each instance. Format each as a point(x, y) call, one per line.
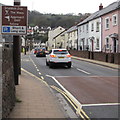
point(61, 57)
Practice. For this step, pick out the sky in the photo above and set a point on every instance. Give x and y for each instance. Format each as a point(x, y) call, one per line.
point(62, 6)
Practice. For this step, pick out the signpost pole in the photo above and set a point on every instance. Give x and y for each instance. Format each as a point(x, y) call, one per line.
point(14, 22)
point(16, 52)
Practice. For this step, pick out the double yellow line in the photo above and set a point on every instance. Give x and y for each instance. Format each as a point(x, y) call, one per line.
point(79, 110)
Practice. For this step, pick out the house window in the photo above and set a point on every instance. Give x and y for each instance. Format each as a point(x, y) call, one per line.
point(83, 28)
point(107, 23)
point(80, 30)
point(107, 43)
point(97, 26)
point(97, 44)
point(68, 35)
point(114, 20)
point(92, 27)
point(74, 33)
point(87, 28)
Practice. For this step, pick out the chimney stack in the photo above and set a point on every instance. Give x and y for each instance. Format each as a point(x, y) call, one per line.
point(101, 7)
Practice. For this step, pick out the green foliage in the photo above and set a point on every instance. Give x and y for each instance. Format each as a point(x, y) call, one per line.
point(54, 20)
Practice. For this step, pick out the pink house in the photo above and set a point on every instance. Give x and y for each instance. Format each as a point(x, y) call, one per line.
point(110, 28)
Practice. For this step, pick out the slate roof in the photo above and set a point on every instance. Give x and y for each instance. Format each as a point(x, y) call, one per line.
point(59, 34)
point(109, 8)
point(73, 28)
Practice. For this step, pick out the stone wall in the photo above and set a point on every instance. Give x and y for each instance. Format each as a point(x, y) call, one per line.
point(8, 86)
point(0, 81)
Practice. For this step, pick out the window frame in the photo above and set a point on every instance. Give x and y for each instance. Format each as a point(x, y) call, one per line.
point(107, 25)
point(92, 26)
point(97, 27)
point(107, 43)
point(114, 24)
point(87, 28)
point(97, 43)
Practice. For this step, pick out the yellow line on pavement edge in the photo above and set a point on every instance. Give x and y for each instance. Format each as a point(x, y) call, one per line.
point(35, 76)
point(79, 112)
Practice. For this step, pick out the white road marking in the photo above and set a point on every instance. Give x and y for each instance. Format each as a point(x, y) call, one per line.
point(71, 96)
point(83, 71)
point(101, 104)
point(38, 70)
point(42, 77)
point(39, 73)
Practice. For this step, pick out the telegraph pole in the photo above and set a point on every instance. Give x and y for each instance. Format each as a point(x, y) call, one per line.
point(16, 52)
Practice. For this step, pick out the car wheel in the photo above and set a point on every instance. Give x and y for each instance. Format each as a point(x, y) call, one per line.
point(69, 65)
point(47, 63)
point(50, 65)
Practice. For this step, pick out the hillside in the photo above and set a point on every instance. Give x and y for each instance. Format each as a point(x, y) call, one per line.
point(54, 20)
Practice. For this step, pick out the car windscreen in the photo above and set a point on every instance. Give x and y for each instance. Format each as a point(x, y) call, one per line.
point(60, 52)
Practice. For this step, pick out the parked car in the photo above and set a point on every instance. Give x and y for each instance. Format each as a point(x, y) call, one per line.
point(58, 56)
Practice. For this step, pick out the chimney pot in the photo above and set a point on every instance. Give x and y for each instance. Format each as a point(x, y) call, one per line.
point(101, 6)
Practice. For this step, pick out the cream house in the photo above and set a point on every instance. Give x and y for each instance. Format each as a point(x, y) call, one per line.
point(52, 34)
point(72, 37)
point(67, 39)
point(64, 36)
point(59, 42)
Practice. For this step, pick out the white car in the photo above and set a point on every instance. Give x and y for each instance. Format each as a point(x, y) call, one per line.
point(58, 56)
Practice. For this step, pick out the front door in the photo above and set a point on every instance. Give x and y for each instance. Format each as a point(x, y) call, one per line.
point(114, 45)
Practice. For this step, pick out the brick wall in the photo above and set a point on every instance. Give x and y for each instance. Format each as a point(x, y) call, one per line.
point(83, 54)
point(8, 86)
point(100, 56)
point(117, 58)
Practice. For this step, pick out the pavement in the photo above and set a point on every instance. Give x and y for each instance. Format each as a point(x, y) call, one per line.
point(35, 99)
point(114, 66)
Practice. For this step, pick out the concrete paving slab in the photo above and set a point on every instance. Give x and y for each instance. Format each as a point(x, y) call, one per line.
point(37, 100)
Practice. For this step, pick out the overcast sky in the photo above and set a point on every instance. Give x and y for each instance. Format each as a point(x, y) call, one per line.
point(62, 6)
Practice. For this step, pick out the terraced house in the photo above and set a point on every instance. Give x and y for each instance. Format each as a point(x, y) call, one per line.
point(99, 32)
point(51, 37)
point(110, 22)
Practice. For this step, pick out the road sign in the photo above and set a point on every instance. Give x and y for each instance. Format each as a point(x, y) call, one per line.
point(14, 20)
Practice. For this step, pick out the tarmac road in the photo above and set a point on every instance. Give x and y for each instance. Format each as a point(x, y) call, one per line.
point(94, 86)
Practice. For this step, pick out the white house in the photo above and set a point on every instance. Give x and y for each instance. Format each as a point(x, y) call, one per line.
point(51, 34)
point(89, 32)
point(95, 40)
point(83, 36)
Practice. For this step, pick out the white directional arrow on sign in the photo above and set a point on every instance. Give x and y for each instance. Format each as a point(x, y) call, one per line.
point(7, 17)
